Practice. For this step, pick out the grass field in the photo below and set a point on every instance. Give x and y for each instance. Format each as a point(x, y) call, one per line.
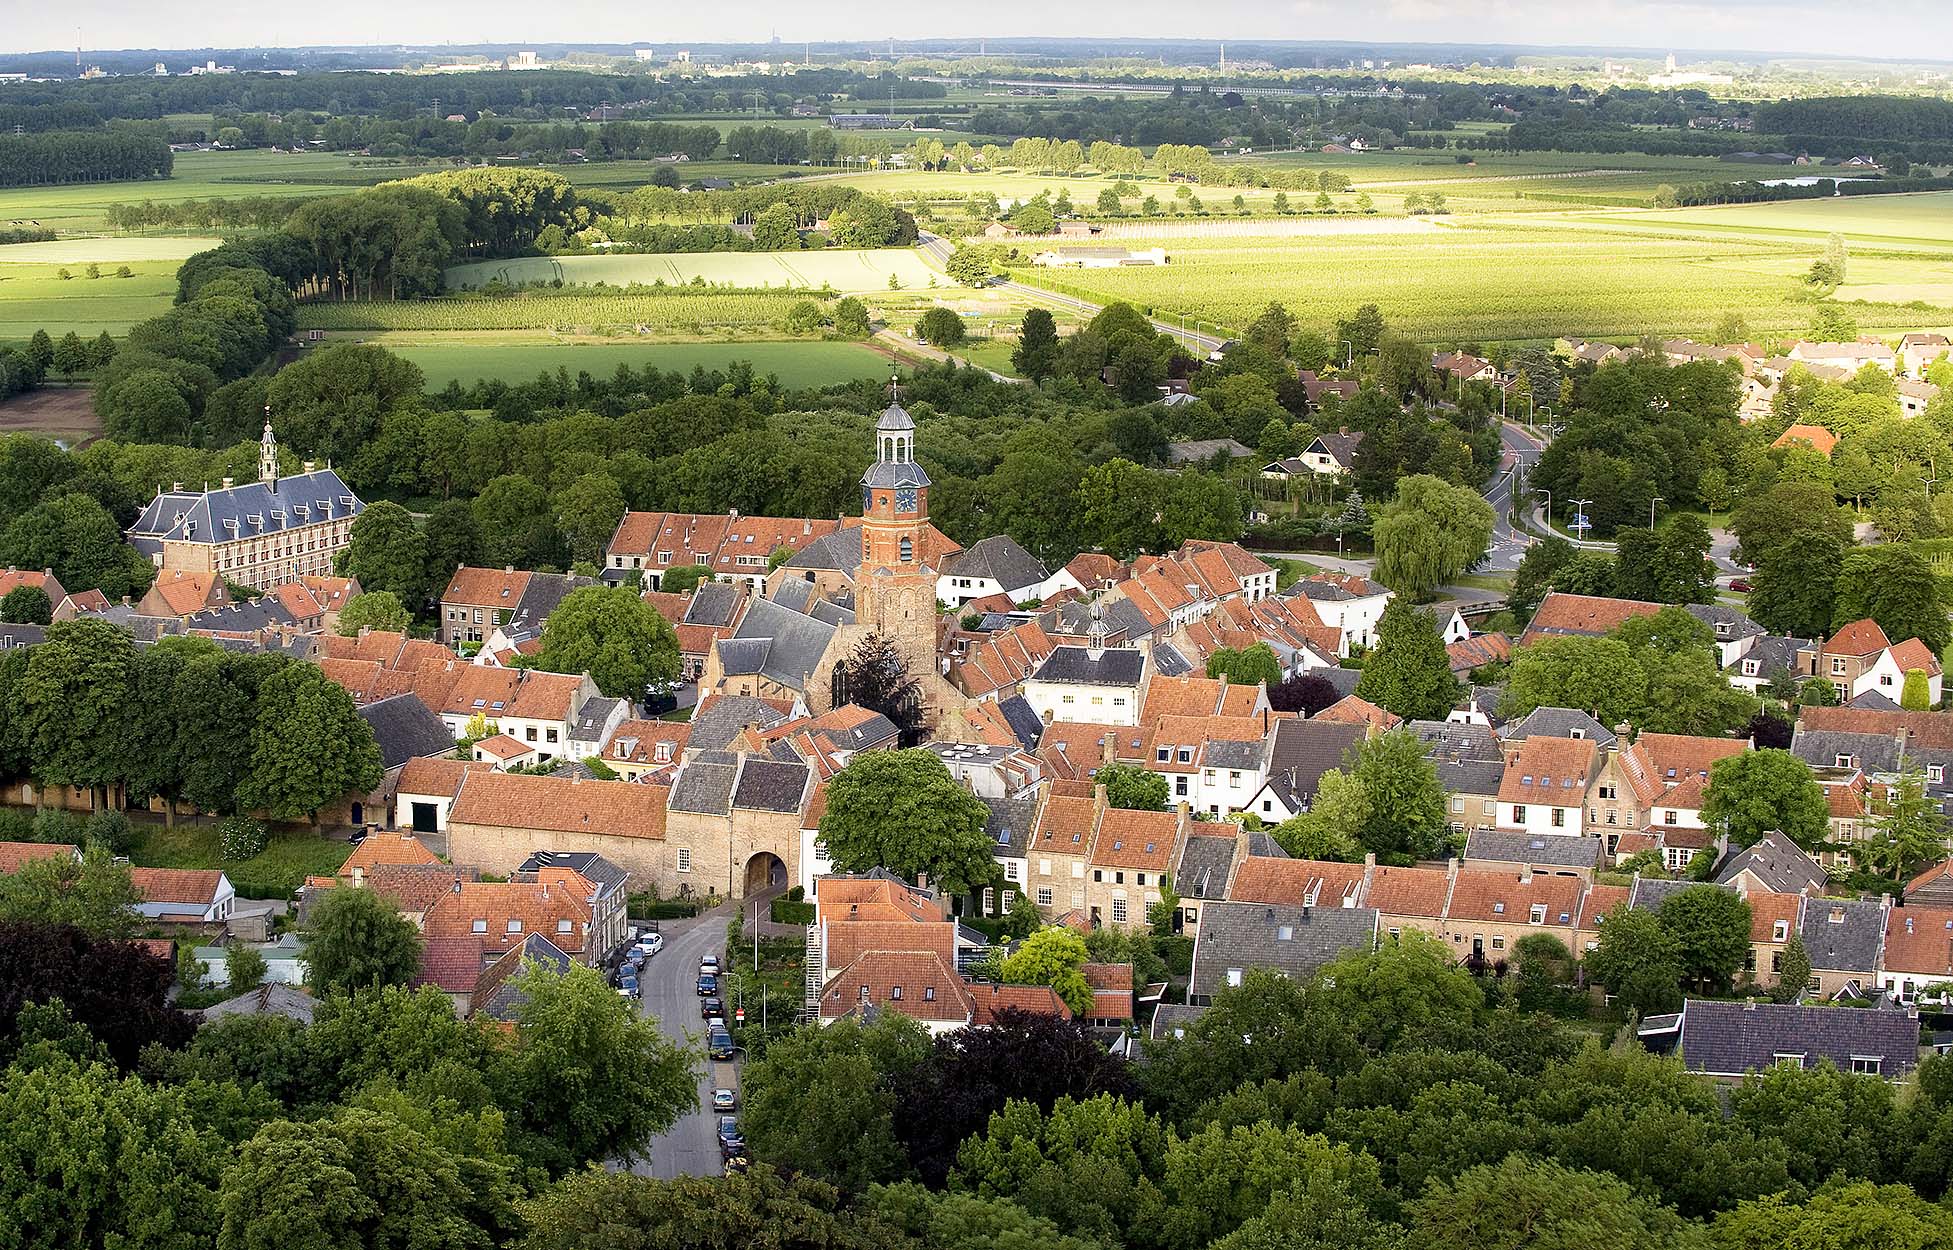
point(797, 364)
point(1491, 279)
point(838, 270)
point(33, 296)
point(1924, 218)
point(681, 312)
point(277, 872)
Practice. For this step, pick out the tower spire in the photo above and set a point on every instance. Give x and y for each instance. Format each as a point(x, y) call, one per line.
point(268, 454)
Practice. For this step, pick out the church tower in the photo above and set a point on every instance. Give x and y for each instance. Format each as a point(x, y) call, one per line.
point(268, 456)
point(895, 589)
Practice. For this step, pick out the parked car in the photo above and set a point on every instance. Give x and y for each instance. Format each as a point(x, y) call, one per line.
point(1741, 584)
point(731, 1140)
point(725, 1100)
point(708, 984)
point(714, 1006)
point(719, 1045)
point(651, 943)
point(708, 963)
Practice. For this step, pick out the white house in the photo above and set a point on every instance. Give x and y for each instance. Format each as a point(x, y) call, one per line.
point(1912, 959)
point(425, 793)
point(284, 962)
point(994, 566)
point(183, 895)
point(1887, 674)
point(1851, 357)
point(1918, 351)
point(1544, 788)
point(1332, 455)
point(1915, 397)
point(1096, 685)
point(1346, 602)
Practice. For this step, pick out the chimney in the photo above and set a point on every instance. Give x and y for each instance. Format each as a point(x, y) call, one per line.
point(227, 483)
point(1098, 796)
point(1525, 874)
point(311, 465)
point(1749, 1004)
point(508, 568)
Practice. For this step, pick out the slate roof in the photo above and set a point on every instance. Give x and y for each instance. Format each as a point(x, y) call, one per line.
point(767, 785)
point(589, 865)
point(1342, 447)
point(1292, 940)
point(1303, 750)
point(1559, 722)
point(1114, 666)
point(593, 718)
point(715, 603)
point(273, 998)
point(1821, 748)
point(243, 617)
point(1780, 864)
point(1023, 720)
point(1009, 824)
point(406, 729)
point(1452, 740)
point(1173, 1019)
point(1195, 449)
point(1000, 559)
point(1540, 849)
point(1203, 867)
point(704, 785)
point(718, 721)
point(1167, 660)
point(213, 516)
point(797, 642)
point(1469, 776)
point(1729, 1038)
point(496, 995)
point(1715, 614)
point(1771, 652)
point(1844, 935)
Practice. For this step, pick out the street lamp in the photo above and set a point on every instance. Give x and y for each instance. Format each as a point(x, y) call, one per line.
point(1349, 354)
point(1651, 509)
point(1579, 516)
point(1549, 512)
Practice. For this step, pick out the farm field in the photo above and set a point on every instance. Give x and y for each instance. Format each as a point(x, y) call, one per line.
point(682, 312)
point(808, 363)
point(1922, 218)
point(835, 269)
point(1500, 281)
point(33, 296)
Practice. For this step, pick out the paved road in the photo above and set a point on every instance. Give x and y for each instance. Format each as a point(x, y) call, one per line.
point(1521, 453)
point(670, 985)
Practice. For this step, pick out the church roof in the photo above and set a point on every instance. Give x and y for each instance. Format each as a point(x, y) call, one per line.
point(895, 473)
point(895, 418)
point(247, 511)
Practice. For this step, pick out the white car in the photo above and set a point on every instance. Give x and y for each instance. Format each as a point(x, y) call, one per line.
point(708, 964)
point(651, 943)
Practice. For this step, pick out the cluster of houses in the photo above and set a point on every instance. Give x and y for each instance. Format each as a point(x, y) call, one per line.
point(1763, 373)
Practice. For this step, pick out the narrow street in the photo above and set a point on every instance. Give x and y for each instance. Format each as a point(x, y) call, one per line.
point(670, 995)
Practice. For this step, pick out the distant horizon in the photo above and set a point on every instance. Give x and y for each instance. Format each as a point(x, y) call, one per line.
point(1776, 29)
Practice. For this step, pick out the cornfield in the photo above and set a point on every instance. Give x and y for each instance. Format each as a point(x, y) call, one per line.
point(581, 313)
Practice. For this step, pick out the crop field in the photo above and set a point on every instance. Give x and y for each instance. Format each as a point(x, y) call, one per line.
point(1924, 218)
point(33, 295)
point(1495, 282)
point(682, 311)
point(797, 364)
point(837, 269)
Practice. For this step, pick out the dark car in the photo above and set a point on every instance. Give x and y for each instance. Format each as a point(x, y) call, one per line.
point(731, 1141)
point(707, 985)
point(719, 1045)
point(709, 1007)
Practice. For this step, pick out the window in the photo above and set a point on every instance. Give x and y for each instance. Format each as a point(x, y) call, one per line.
point(1885, 679)
point(1097, 875)
point(1234, 976)
point(1837, 665)
point(1142, 878)
point(1518, 813)
point(1843, 761)
point(1498, 943)
point(1010, 870)
point(1078, 870)
point(928, 993)
point(1044, 896)
point(1789, 1059)
point(1539, 913)
point(1670, 817)
point(515, 924)
point(989, 901)
point(1163, 755)
point(1457, 805)
point(1044, 868)
point(1749, 668)
point(684, 859)
point(1605, 792)
point(1559, 818)
point(895, 993)
point(1780, 931)
point(1067, 699)
point(480, 925)
point(1180, 785)
point(1118, 909)
point(563, 926)
point(1935, 773)
point(1865, 1065)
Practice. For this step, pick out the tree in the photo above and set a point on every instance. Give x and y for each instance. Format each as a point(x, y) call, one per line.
point(1638, 960)
point(76, 537)
point(94, 894)
point(684, 578)
point(776, 228)
point(357, 939)
point(1683, 571)
point(70, 711)
point(1333, 826)
point(632, 1082)
point(1755, 792)
point(1406, 817)
point(624, 1211)
point(901, 810)
point(851, 318)
point(1132, 788)
point(385, 551)
point(378, 610)
point(1795, 586)
point(1116, 508)
point(361, 1178)
point(113, 988)
point(1894, 586)
point(1596, 675)
point(1052, 956)
point(1271, 329)
point(1526, 1204)
point(875, 676)
point(1254, 665)
point(1408, 672)
point(613, 635)
point(1036, 353)
point(1711, 930)
point(970, 265)
point(820, 1102)
point(26, 605)
point(1793, 971)
point(144, 405)
point(330, 404)
point(311, 747)
point(1364, 329)
point(587, 512)
point(1915, 696)
point(1907, 830)
point(1846, 1214)
point(1307, 693)
point(1430, 533)
point(941, 327)
point(244, 967)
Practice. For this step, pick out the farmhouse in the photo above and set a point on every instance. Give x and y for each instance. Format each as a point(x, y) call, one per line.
point(1098, 257)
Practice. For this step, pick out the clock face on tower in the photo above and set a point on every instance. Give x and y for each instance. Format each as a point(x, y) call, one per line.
point(905, 499)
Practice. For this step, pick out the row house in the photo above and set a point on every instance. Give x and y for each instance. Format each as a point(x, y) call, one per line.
point(735, 548)
point(1096, 684)
point(1213, 764)
point(1657, 784)
point(1350, 604)
point(1544, 787)
point(1850, 357)
point(478, 602)
point(1100, 865)
point(1289, 627)
point(1879, 743)
point(479, 922)
point(996, 566)
point(1918, 351)
point(1299, 753)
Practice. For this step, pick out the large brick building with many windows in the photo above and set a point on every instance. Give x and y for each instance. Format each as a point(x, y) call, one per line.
point(263, 534)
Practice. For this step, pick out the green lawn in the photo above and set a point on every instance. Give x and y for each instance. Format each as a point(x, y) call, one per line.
point(276, 873)
point(34, 296)
point(808, 363)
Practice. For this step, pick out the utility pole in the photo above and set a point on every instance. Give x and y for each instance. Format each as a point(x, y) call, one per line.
point(1651, 510)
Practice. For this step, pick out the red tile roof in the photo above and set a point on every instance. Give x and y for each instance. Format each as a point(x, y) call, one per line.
point(1860, 638)
point(1912, 654)
point(485, 911)
point(1919, 940)
point(477, 587)
point(1295, 882)
point(437, 774)
point(1560, 613)
point(987, 1000)
point(1509, 897)
point(1141, 840)
point(929, 989)
point(177, 885)
point(1816, 437)
point(859, 899)
point(17, 855)
point(849, 939)
point(618, 809)
point(1418, 892)
point(387, 848)
point(1550, 771)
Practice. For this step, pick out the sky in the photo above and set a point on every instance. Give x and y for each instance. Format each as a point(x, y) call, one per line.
point(1876, 28)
